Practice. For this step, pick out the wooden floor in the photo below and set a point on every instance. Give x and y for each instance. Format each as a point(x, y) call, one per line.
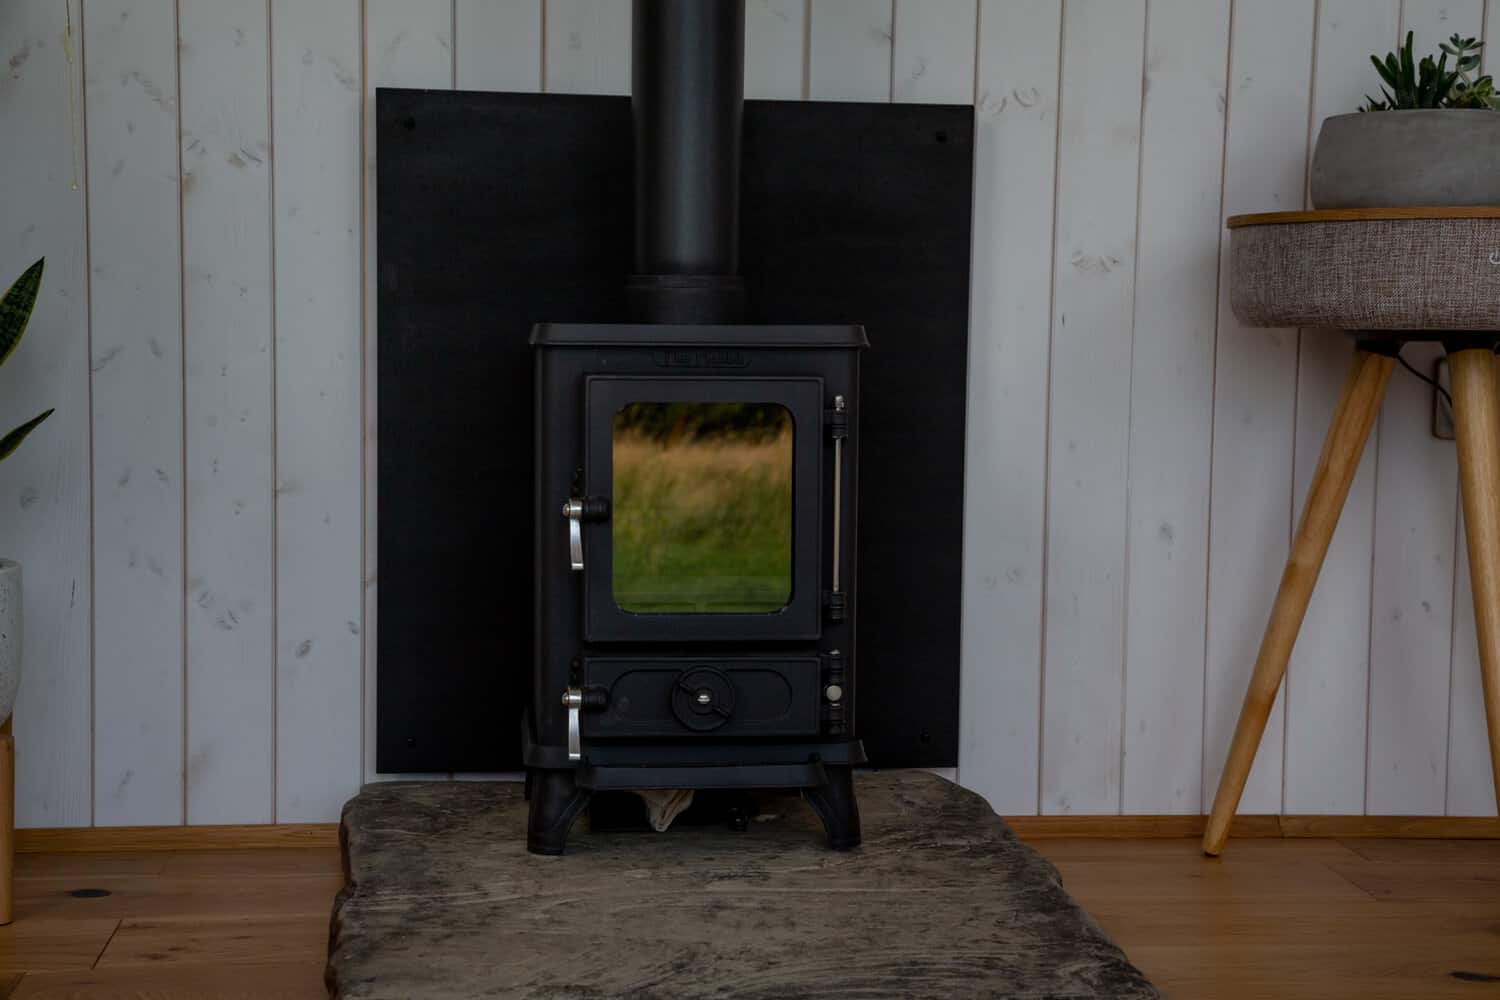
point(1273, 918)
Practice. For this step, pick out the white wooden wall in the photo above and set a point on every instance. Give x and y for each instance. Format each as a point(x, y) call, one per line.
point(197, 520)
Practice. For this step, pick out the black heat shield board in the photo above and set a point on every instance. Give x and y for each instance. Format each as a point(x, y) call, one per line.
point(496, 211)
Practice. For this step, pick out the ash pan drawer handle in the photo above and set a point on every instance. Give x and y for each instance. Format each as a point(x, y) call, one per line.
point(572, 699)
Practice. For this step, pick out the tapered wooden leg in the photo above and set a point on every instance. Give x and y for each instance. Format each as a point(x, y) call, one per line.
point(7, 824)
point(1352, 420)
point(1476, 416)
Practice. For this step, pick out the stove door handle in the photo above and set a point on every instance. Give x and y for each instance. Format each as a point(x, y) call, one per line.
point(573, 511)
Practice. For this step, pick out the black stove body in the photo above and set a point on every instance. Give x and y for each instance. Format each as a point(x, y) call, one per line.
point(637, 689)
point(695, 492)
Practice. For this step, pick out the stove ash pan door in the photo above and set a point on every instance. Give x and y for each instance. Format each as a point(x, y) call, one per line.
point(736, 697)
point(703, 510)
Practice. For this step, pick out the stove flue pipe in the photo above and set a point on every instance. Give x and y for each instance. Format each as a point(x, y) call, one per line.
point(687, 99)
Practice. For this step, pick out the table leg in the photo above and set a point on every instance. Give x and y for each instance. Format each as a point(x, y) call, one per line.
point(1352, 420)
point(1476, 415)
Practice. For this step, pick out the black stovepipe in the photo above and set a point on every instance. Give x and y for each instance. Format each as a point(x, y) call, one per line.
point(687, 100)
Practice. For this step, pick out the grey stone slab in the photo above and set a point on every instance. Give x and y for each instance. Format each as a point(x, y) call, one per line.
point(442, 901)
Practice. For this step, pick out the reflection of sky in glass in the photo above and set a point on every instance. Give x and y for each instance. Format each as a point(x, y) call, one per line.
point(701, 510)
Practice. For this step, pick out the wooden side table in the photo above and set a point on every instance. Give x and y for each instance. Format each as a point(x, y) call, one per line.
point(1387, 277)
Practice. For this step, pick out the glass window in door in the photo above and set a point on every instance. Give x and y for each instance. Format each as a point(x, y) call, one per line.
point(701, 512)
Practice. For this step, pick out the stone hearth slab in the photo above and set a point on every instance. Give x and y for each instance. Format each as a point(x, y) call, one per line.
point(442, 901)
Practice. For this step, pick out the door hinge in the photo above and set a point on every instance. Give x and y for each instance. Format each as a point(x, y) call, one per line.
point(837, 419)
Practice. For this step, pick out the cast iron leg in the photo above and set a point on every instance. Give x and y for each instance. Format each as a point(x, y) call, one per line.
point(556, 802)
point(835, 805)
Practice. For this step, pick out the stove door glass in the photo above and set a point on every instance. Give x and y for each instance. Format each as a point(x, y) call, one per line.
point(702, 507)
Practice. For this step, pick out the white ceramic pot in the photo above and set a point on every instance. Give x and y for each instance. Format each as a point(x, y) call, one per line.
point(10, 635)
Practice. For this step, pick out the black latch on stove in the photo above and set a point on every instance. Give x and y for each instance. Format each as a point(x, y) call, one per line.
point(835, 693)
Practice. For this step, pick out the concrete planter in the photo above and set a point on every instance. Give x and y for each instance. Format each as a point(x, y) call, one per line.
point(1398, 159)
point(10, 635)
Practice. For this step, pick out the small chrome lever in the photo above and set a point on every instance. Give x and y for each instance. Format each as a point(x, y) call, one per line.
point(573, 511)
point(573, 699)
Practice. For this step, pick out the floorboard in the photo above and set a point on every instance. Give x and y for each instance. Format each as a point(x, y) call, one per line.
point(162, 942)
point(273, 981)
point(1293, 919)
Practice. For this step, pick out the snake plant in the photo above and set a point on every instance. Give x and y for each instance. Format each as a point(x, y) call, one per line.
point(1410, 85)
point(15, 311)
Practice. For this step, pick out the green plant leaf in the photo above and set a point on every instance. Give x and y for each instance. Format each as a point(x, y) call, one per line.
point(15, 307)
point(1390, 70)
point(1406, 75)
point(13, 440)
point(1385, 72)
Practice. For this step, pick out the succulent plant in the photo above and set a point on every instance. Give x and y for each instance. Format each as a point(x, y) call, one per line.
point(1431, 84)
point(15, 312)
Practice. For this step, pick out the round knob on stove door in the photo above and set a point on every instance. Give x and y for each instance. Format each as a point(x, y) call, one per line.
point(703, 698)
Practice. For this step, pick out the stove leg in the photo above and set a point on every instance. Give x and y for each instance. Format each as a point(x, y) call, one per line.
point(556, 801)
point(835, 805)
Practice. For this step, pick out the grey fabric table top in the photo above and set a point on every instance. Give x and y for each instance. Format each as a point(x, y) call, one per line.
point(1366, 274)
point(442, 901)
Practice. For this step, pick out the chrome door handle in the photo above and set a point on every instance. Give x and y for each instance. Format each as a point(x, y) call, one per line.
point(573, 511)
point(573, 699)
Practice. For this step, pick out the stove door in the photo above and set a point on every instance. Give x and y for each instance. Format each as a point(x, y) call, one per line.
point(701, 513)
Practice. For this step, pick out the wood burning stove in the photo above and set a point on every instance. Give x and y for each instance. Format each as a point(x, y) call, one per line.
point(695, 492)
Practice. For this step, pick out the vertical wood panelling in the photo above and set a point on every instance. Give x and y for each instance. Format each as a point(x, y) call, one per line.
point(44, 487)
point(1005, 465)
point(1412, 630)
point(1171, 413)
point(1470, 786)
point(499, 44)
point(1127, 438)
point(1434, 21)
point(130, 50)
point(408, 43)
point(1411, 654)
point(1255, 384)
point(315, 69)
point(849, 50)
point(1099, 122)
point(588, 47)
point(933, 59)
point(226, 242)
point(1328, 675)
point(775, 49)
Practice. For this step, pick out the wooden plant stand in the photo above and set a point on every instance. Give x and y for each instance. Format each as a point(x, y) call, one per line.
point(1387, 277)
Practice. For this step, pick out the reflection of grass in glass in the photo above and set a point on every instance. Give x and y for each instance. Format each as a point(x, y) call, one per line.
point(702, 524)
